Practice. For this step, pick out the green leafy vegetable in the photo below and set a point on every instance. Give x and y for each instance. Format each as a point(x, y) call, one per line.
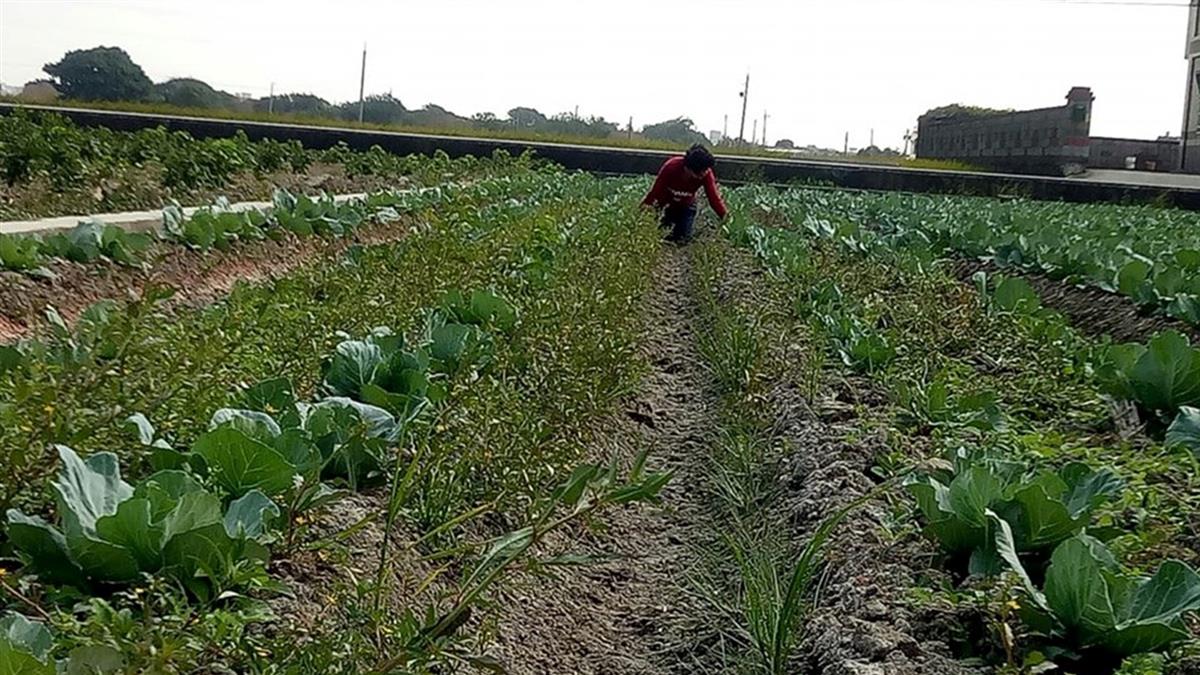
point(1161, 377)
point(1089, 601)
point(112, 532)
point(24, 646)
point(91, 240)
point(1041, 509)
point(19, 253)
point(1185, 430)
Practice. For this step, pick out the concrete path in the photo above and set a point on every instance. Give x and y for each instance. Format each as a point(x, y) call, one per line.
point(1148, 178)
point(137, 221)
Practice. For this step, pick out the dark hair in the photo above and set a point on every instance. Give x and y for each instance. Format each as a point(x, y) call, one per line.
point(699, 159)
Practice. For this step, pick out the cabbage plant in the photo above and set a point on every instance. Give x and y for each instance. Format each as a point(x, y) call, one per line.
point(1041, 509)
point(1091, 603)
point(1161, 377)
point(25, 646)
point(93, 239)
point(1185, 430)
point(113, 532)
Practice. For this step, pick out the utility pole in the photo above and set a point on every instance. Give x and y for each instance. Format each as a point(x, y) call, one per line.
point(846, 148)
point(576, 111)
point(754, 134)
point(631, 127)
point(872, 139)
point(725, 129)
point(764, 139)
point(745, 98)
point(362, 85)
point(271, 101)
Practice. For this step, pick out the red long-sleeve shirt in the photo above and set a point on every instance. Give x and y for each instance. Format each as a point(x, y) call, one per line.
point(675, 185)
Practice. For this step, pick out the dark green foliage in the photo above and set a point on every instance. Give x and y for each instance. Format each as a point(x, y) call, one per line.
point(186, 92)
point(680, 130)
point(100, 74)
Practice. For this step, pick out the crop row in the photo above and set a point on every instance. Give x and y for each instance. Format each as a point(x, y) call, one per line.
point(1149, 254)
point(279, 415)
point(38, 144)
point(1161, 377)
point(219, 226)
point(1030, 485)
point(52, 167)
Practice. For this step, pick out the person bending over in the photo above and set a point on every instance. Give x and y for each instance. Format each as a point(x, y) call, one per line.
point(675, 189)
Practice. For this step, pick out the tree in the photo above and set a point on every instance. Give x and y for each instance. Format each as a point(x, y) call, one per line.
point(567, 124)
point(486, 120)
point(298, 104)
point(377, 109)
point(100, 74)
point(959, 111)
point(680, 130)
point(874, 151)
point(525, 117)
point(190, 93)
point(785, 144)
point(435, 116)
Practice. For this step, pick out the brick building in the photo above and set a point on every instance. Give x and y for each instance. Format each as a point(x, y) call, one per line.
point(1190, 148)
point(1160, 155)
point(1045, 141)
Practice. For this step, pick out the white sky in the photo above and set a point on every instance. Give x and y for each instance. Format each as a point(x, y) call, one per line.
point(820, 67)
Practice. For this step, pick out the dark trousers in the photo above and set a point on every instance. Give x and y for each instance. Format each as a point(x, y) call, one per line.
point(679, 218)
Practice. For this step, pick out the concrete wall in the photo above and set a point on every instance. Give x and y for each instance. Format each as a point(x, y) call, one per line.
point(1117, 153)
point(1052, 141)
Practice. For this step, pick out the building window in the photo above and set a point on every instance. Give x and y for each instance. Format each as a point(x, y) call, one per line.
point(1079, 113)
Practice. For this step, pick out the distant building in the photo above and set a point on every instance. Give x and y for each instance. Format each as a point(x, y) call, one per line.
point(1189, 159)
point(1044, 141)
point(1160, 155)
point(39, 91)
point(716, 137)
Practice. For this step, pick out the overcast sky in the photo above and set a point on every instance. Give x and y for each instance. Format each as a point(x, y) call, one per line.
point(820, 67)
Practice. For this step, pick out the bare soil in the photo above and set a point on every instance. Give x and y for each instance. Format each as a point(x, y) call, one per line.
point(1090, 310)
point(197, 277)
point(862, 623)
point(314, 576)
point(632, 613)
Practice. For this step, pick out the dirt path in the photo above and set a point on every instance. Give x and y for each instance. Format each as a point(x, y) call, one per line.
point(637, 612)
point(631, 613)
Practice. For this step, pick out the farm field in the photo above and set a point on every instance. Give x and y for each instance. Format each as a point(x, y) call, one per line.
point(483, 420)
